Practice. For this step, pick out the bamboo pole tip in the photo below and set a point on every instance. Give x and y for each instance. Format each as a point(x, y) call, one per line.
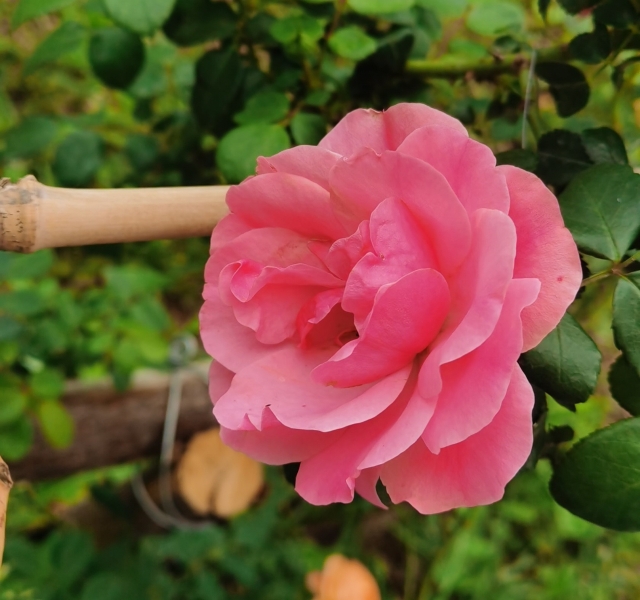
point(5, 475)
point(19, 204)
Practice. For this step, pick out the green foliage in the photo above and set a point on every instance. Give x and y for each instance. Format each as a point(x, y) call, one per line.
point(600, 209)
point(566, 364)
point(116, 55)
point(117, 93)
point(30, 9)
point(143, 17)
point(626, 315)
point(624, 382)
point(598, 478)
point(78, 159)
point(64, 40)
point(239, 149)
point(567, 85)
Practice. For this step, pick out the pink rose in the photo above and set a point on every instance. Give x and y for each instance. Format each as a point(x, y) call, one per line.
point(366, 302)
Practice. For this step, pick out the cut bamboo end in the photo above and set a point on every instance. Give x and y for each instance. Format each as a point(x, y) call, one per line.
point(35, 216)
point(5, 487)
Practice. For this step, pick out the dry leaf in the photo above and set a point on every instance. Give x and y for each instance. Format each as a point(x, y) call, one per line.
point(343, 579)
point(213, 478)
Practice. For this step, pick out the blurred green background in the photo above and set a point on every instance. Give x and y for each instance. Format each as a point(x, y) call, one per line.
point(101, 93)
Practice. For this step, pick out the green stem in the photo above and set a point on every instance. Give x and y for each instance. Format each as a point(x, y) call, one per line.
point(615, 269)
point(447, 69)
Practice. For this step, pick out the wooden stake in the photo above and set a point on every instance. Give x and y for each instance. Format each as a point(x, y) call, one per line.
point(35, 216)
point(5, 486)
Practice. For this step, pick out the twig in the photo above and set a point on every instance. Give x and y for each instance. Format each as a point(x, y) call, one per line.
point(439, 68)
point(5, 487)
point(615, 269)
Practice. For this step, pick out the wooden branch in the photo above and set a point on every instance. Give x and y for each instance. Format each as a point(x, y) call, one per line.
point(35, 216)
point(5, 487)
point(113, 427)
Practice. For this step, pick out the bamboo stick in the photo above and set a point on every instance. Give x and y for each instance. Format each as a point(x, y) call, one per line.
point(5, 486)
point(35, 216)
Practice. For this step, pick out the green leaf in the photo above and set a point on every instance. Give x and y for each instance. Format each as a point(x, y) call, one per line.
point(565, 364)
point(10, 329)
point(604, 145)
point(352, 42)
point(567, 85)
point(151, 81)
point(47, 384)
point(64, 40)
point(616, 13)
point(30, 9)
point(593, 47)
point(390, 57)
point(561, 156)
point(307, 128)
point(543, 7)
point(380, 7)
point(599, 480)
point(195, 21)
point(496, 17)
point(130, 281)
point(16, 439)
point(142, 151)
point(12, 405)
point(116, 56)
point(219, 79)
point(21, 302)
point(78, 159)
point(601, 208)
point(56, 423)
point(626, 317)
point(239, 149)
point(141, 16)
point(31, 137)
point(519, 157)
point(624, 383)
point(264, 107)
point(25, 266)
point(302, 28)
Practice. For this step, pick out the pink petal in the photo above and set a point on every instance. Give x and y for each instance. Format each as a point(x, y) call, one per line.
point(467, 165)
point(545, 250)
point(366, 486)
point(268, 300)
point(310, 162)
point(322, 320)
point(405, 318)
point(346, 252)
point(477, 292)
point(271, 246)
point(474, 386)
point(362, 182)
point(399, 247)
point(331, 475)
point(233, 345)
point(367, 128)
point(473, 472)
point(229, 228)
point(219, 381)
point(289, 201)
point(278, 445)
point(282, 384)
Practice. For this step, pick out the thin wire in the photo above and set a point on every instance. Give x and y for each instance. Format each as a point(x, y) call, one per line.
point(181, 352)
point(527, 96)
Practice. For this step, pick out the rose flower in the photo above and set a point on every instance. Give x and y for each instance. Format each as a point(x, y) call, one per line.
point(366, 302)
